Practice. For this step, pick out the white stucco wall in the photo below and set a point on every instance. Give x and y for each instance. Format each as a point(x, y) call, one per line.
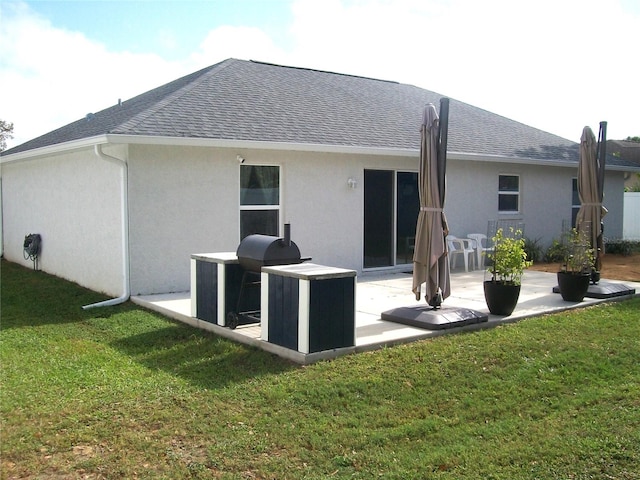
point(472, 197)
point(182, 201)
point(185, 200)
point(73, 202)
point(195, 194)
point(545, 198)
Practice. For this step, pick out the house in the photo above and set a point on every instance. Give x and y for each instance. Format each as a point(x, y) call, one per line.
point(630, 152)
point(123, 197)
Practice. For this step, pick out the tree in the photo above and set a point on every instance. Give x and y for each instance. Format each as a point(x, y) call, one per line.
point(6, 129)
point(633, 139)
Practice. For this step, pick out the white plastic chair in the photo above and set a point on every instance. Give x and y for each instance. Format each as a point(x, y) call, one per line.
point(481, 247)
point(409, 248)
point(464, 247)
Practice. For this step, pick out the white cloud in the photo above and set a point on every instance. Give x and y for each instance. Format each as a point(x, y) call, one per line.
point(555, 65)
point(551, 64)
point(167, 39)
point(247, 43)
point(51, 77)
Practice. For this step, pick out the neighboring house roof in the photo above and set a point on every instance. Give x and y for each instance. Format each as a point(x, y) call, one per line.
point(626, 150)
point(254, 101)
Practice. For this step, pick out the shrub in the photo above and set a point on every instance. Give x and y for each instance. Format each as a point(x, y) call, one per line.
point(533, 249)
point(580, 256)
point(508, 257)
point(621, 247)
point(557, 252)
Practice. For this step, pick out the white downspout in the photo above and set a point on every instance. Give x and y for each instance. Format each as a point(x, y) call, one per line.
point(124, 187)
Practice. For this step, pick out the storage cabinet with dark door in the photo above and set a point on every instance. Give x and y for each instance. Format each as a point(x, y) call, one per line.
point(308, 307)
point(216, 279)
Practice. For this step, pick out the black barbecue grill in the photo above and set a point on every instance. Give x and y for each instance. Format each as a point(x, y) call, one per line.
point(255, 252)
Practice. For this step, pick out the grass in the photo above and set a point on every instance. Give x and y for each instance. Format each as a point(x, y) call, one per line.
point(121, 392)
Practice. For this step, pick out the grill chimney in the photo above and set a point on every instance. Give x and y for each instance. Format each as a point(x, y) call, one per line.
point(286, 241)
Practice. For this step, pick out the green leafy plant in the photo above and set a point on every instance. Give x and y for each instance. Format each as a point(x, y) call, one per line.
point(556, 252)
point(579, 256)
point(533, 249)
point(509, 257)
point(622, 247)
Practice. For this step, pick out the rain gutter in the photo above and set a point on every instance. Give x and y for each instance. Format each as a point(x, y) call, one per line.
point(341, 149)
point(260, 145)
point(66, 147)
point(283, 146)
point(124, 187)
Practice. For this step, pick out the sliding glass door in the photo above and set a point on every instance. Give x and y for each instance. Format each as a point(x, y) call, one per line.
point(378, 218)
point(391, 206)
point(407, 209)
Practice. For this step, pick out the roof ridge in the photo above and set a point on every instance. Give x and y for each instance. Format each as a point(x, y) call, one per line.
point(157, 106)
point(323, 71)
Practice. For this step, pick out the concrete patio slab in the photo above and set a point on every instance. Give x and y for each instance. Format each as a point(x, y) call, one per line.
point(380, 292)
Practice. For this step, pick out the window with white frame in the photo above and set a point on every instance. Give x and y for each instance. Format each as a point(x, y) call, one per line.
point(509, 193)
point(259, 200)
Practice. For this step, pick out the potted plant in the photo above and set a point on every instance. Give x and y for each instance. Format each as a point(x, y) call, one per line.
point(508, 262)
point(577, 265)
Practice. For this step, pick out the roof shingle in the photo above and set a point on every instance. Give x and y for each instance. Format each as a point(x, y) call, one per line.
point(255, 101)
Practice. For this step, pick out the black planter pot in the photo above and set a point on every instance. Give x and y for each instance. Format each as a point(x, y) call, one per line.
point(501, 299)
point(573, 286)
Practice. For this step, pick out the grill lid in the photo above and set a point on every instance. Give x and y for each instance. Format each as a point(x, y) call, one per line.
point(257, 251)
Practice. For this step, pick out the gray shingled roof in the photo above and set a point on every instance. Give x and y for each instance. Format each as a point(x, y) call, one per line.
point(627, 150)
point(255, 101)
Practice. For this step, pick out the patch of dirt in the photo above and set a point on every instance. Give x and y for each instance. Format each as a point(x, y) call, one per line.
point(614, 267)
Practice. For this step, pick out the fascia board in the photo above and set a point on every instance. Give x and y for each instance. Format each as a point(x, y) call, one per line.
point(321, 148)
point(517, 160)
point(532, 161)
point(37, 153)
point(261, 145)
point(284, 146)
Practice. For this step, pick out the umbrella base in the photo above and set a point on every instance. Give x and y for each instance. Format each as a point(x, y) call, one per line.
point(426, 317)
point(606, 290)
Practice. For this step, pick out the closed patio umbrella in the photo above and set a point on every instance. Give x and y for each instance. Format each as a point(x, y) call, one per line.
point(590, 188)
point(430, 265)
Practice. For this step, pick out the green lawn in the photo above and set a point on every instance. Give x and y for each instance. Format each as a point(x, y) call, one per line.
point(121, 392)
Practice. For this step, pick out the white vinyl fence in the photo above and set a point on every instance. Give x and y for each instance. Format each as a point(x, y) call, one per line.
point(631, 216)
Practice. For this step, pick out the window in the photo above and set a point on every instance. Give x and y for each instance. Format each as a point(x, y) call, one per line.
point(575, 201)
point(259, 200)
point(509, 193)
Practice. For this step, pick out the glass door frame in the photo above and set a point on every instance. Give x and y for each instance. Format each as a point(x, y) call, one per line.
point(397, 223)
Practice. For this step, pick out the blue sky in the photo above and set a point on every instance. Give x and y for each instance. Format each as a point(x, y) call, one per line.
point(172, 28)
point(557, 65)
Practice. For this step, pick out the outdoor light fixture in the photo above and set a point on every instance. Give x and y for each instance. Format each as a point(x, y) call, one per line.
point(353, 183)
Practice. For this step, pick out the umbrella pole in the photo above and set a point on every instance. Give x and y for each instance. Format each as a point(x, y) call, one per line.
point(443, 133)
point(433, 318)
point(601, 157)
point(602, 153)
point(436, 300)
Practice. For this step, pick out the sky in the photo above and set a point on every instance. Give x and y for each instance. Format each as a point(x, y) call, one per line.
point(557, 65)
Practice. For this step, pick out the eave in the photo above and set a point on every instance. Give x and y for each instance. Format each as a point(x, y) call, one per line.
point(117, 139)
